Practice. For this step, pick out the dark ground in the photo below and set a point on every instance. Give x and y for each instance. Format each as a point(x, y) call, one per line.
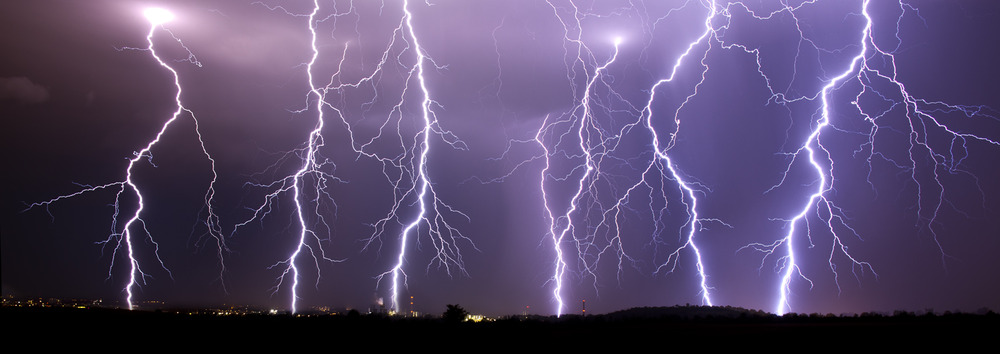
point(676, 328)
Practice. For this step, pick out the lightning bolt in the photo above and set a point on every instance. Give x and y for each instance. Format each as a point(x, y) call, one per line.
point(664, 167)
point(576, 146)
point(124, 239)
point(872, 73)
point(597, 141)
point(445, 238)
point(405, 169)
point(314, 176)
point(559, 226)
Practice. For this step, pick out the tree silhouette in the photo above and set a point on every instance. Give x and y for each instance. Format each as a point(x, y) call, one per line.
point(454, 314)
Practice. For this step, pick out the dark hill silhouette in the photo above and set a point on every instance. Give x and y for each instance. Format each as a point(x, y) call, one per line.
point(687, 312)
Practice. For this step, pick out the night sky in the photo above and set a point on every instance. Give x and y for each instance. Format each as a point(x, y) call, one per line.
point(914, 197)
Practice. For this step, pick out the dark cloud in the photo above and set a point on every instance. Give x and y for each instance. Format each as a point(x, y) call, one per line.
point(22, 90)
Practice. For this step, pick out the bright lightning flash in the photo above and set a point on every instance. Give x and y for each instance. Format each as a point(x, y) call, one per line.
point(158, 16)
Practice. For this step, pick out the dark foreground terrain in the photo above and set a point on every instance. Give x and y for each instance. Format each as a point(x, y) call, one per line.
point(667, 328)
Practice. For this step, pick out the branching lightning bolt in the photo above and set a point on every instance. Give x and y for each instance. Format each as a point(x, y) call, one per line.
point(123, 239)
point(596, 146)
point(313, 175)
point(579, 139)
point(872, 64)
point(557, 231)
point(444, 236)
point(662, 163)
point(406, 170)
point(590, 141)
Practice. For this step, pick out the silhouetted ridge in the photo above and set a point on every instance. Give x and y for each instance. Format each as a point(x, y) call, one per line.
point(686, 312)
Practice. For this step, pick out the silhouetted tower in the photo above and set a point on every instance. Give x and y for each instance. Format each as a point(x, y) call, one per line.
point(584, 307)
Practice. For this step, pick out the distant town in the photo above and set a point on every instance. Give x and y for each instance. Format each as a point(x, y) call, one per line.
point(681, 312)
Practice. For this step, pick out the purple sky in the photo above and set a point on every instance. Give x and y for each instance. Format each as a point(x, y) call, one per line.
point(77, 107)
